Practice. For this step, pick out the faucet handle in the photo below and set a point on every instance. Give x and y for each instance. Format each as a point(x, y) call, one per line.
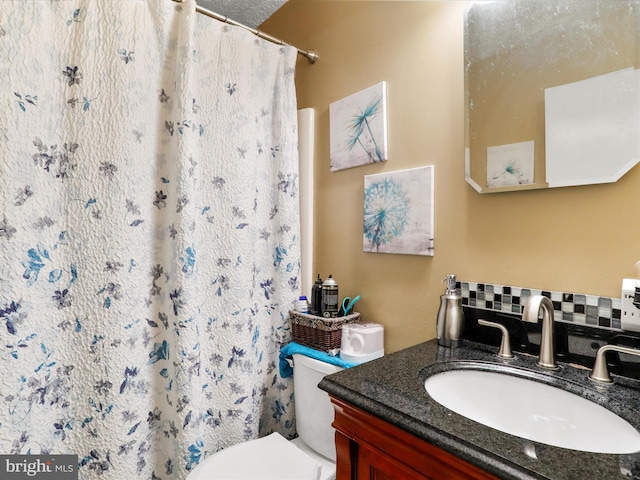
point(600, 372)
point(505, 345)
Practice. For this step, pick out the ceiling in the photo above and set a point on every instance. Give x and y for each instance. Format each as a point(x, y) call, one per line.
point(248, 12)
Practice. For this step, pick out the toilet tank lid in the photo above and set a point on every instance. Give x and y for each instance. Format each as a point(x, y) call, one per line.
point(319, 365)
point(271, 458)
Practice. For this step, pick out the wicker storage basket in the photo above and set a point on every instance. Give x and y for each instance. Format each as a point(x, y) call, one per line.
point(321, 333)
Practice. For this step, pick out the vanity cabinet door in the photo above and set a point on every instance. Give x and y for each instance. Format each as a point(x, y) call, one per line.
point(369, 448)
point(376, 465)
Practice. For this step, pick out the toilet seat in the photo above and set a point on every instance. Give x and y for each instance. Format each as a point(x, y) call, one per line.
point(268, 458)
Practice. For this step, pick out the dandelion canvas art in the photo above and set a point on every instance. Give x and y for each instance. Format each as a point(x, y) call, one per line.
point(398, 212)
point(510, 165)
point(358, 128)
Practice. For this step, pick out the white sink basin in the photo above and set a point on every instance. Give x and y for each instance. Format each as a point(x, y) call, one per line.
point(533, 410)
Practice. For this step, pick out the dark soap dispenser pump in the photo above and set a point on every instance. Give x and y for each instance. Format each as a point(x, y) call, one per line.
point(450, 315)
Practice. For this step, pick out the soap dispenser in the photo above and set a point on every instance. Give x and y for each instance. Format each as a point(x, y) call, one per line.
point(450, 315)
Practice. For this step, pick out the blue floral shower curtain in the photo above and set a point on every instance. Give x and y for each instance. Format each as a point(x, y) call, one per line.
point(149, 234)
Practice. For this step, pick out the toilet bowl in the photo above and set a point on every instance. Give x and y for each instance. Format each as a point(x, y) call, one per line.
point(309, 456)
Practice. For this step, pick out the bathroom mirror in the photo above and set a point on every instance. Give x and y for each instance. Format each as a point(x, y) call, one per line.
point(552, 94)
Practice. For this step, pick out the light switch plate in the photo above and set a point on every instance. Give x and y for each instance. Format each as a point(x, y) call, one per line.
point(630, 305)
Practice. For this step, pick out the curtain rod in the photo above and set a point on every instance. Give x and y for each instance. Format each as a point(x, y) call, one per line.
point(311, 55)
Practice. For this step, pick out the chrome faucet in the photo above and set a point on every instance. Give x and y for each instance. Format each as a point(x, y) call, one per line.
point(531, 313)
point(600, 372)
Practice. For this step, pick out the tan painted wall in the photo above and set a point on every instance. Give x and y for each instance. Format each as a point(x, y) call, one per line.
point(578, 239)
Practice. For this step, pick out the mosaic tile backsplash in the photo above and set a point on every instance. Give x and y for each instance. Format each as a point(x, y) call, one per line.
point(573, 308)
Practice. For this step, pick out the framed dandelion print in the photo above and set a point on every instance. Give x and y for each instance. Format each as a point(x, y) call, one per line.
point(510, 165)
point(398, 212)
point(358, 128)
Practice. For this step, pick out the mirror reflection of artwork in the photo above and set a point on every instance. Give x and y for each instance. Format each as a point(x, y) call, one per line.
point(358, 128)
point(510, 165)
point(398, 212)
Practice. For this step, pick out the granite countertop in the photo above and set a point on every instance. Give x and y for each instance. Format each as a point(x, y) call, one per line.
point(392, 388)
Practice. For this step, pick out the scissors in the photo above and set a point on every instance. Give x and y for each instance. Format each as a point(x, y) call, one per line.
point(348, 304)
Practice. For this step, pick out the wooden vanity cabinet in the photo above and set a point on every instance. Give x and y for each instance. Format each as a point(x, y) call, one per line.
point(369, 448)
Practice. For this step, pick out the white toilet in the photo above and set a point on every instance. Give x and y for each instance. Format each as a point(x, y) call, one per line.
point(311, 456)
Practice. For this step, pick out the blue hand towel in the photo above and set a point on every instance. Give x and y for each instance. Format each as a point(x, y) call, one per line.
point(289, 349)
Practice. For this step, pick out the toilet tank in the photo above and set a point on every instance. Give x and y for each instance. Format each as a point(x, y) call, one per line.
point(314, 412)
